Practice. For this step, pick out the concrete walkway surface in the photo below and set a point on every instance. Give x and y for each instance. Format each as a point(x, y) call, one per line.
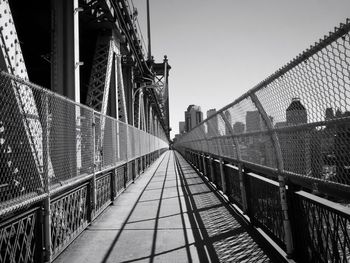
point(168, 215)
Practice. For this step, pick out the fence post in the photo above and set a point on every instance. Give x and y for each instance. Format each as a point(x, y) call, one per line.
point(198, 160)
point(222, 174)
point(242, 186)
point(93, 180)
point(204, 165)
point(113, 184)
point(47, 201)
point(212, 172)
point(282, 184)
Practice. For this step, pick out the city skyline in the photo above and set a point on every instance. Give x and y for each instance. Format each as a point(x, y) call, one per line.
point(253, 33)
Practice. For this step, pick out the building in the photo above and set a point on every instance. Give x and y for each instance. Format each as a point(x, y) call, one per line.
point(295, 145)
point(253, 121)
point(213, 125)
point(238, 127)
point(296, 113)
point(336, 148)
point(181, 127)
point(229, 120)
point(193, 116)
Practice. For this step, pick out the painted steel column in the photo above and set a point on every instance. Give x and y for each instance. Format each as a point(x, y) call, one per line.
point(121, 101)
point(282, 184)
point(77, 62)
point(65, 43)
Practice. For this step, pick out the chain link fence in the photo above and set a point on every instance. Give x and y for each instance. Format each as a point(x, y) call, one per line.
point(47, 140)
point(296, 121)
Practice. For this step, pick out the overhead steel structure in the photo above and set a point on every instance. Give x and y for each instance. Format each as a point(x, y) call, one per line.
point(95, 119)
point(89, 51)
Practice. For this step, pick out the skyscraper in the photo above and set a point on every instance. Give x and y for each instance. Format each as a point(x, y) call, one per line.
point(296, 113)
point(253, 121)
point(193, 116)
point(296, 144)
point(229, 120)
point(213, 126)
point(181, 127)
point(238, 127)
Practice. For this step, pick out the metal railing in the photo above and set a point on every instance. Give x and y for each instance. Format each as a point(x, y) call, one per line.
point(61, 164)
point(289, 133)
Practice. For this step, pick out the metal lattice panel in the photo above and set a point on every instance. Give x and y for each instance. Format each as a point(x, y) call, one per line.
point(326, 231)
point(233, 187)
point(103, 192)
point(68, 218)
point(266, 207)
point(101, 75)
point(120, 180)
point(19, 239)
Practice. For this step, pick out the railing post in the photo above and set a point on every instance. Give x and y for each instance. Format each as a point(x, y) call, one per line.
point(93, 180)
point(222, 173)
point(204, 165)
point(47, 201)
point(282, 184)
point(113, 184)
point(198, 161)
point(141, 164)
point(248, 194)
point(242, 186)
point(212, 172)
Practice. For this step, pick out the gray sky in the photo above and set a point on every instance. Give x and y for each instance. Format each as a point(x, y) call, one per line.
point(220, 49)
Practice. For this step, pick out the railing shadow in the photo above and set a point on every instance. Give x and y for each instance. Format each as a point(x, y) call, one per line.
point(220, 235)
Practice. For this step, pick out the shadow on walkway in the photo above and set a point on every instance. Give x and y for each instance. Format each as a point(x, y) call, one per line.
point(218, 230)
point(173, 216)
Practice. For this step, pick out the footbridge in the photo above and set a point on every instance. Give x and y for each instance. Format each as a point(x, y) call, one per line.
point(88, 172)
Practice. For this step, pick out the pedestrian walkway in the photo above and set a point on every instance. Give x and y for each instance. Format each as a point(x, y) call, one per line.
point(168, 215)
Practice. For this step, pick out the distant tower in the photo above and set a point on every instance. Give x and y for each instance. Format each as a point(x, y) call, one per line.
point(296, 113)
point(193, 116)
point(296, 144)
point(238, 127)
point(213, 125)
point(229, 120)
point(253, 121)
point(181, 127)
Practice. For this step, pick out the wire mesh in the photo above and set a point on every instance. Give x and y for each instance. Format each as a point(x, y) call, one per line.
point(103, 192)
point(20, 162)
point(296, 120)
point(47, 139)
